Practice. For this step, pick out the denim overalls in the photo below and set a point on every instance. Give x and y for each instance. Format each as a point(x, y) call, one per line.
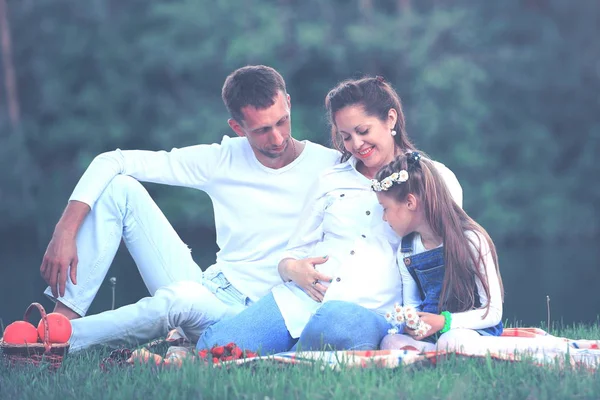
point(427, 269)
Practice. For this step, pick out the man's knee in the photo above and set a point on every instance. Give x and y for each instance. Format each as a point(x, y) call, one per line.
point(186, 293)
point(124, 184)
point(124, 190)
point(192, 306)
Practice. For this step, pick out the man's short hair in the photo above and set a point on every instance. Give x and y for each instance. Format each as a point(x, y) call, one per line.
point(253, 85)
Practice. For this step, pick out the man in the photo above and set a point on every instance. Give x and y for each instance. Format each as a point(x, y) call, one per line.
point(257, 184)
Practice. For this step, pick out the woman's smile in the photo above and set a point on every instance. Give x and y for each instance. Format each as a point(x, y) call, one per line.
point(365, 153)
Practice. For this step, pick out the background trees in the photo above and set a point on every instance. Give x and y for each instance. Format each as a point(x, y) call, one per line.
point(504, 93)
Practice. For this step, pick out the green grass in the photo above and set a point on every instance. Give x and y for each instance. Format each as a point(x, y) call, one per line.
point(454, 378)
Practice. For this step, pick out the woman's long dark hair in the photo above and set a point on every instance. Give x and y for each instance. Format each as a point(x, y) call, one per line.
point(449, 222)
point(377, 97)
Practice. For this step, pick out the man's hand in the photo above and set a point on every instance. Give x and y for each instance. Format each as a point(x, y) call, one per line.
point(60, 255)
point(62, 249)
point(304, 274)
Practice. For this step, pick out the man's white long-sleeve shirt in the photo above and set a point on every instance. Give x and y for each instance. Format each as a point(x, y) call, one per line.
point(256, 208)
point(344, 221)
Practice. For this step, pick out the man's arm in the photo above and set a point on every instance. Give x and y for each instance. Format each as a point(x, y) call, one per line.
point(60, 258)
point(190, 166)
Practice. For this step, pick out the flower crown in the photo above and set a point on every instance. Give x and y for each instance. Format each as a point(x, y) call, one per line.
point(396, 177)
point(387, 183)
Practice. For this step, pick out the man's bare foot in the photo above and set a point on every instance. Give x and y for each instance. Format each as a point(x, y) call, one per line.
point(66, 311)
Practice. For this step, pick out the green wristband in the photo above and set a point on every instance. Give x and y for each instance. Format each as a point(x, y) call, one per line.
point(447, 321)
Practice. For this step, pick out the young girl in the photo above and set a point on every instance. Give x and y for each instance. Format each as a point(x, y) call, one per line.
point(447, 261)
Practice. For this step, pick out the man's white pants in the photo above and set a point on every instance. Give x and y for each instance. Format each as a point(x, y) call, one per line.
point(182, 295)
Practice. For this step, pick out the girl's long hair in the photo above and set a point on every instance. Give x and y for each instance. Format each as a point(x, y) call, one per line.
point(449, 222)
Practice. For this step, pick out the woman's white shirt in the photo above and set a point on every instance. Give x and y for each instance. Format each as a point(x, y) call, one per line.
point(343, 220)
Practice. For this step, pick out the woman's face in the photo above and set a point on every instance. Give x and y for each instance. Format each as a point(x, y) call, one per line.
point(367, 137)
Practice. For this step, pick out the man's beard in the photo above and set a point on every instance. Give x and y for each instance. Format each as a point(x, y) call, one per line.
point(278, 154)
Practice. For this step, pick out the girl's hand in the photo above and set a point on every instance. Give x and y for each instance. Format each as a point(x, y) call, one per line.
point(434, 320)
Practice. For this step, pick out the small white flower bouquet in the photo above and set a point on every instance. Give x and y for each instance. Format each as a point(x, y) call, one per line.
point(407, 315)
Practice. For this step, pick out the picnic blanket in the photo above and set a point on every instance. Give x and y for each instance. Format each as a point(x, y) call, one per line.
point(566, 352)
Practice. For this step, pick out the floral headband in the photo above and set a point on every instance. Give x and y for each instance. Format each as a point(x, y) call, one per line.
point(387, 183)
point(396, 177)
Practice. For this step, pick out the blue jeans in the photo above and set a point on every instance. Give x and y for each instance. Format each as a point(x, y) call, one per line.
point(336, 325)
point(259, 327)
point(342, 325)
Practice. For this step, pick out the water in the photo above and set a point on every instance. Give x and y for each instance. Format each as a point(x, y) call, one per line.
point(567, 274)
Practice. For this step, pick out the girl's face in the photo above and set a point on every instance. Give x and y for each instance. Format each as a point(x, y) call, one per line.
point(367, 137)
point(400, 215)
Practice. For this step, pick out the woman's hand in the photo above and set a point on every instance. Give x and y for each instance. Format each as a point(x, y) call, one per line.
point(436, 322)
point(304, 273)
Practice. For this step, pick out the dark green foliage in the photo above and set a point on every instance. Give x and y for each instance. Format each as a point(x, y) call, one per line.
point(505, 93)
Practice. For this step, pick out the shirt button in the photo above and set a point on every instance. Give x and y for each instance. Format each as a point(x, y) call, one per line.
point(352, 252)
point(407, 261)
point(368, 212)
point(338, 279)
point(363, 236)
point(342, 195)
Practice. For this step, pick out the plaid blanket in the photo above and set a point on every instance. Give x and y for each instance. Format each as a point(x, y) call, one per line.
point(573, 353)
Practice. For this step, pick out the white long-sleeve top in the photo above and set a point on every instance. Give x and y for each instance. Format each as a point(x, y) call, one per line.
point(472, 319)
point(344, 221)
point(256, 208)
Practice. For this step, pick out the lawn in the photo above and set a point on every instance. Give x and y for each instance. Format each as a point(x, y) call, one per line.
point(454, 378)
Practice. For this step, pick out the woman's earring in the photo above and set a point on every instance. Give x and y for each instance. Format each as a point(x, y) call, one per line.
point(393, 132)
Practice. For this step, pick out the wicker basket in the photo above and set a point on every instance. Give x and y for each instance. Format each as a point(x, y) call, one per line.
point(35, 353)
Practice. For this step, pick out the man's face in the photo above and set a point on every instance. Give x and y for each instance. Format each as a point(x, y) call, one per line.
point(268, 130)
